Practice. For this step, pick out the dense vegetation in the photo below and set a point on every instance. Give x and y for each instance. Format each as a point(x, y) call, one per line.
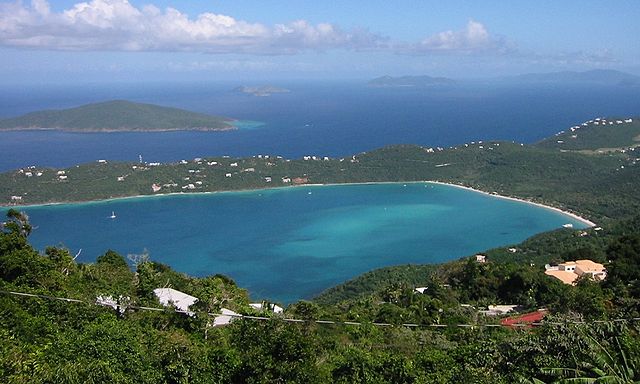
point(117, 115)
point(599, 136)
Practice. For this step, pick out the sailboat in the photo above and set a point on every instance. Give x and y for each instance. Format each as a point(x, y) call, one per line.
point(113, 215)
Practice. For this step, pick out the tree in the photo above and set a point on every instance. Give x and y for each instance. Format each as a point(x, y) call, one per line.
point(611, 355)
point(112, 258)
point(625, 263)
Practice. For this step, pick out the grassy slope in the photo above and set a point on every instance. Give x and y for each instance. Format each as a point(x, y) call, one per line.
point(117, 115)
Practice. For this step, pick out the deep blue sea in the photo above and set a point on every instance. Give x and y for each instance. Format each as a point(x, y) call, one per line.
point(292, 243)
point(317, 118)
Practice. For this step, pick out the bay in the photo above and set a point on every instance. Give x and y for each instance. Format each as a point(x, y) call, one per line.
point(292, 243)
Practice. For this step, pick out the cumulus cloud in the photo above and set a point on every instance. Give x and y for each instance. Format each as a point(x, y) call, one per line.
point(118, 25)
point(474, 38)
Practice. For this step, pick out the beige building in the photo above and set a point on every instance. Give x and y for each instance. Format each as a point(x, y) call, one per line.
point(569, 271)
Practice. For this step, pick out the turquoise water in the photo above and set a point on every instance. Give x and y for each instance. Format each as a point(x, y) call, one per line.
point(292, 243)
point(248, 124)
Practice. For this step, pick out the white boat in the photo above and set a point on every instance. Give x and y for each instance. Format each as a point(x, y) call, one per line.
point(113, 215)
point(569, 225)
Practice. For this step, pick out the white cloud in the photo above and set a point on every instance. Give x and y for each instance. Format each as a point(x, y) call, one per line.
point(474, 38)
point(118, 25)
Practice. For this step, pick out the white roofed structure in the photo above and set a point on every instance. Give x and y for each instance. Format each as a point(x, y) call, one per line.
point(170, 296)
point(225, 318)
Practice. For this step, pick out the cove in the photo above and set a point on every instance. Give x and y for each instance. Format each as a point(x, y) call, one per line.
point(291, 243)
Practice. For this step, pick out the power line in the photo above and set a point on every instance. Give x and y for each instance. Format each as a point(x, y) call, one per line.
point(325, 322)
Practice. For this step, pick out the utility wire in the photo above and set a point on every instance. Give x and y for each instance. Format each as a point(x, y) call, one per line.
point(323, 322)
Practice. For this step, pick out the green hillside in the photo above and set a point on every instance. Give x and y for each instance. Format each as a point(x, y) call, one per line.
point(117, 115)
point(598, 135)
point(567, 180)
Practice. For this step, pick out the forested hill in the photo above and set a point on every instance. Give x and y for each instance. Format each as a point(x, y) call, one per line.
point(117, 115)
point(599, 135)
point(599, 186)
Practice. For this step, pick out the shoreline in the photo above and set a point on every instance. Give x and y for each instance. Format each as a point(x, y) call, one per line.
point(231, 127)
point(588, 223)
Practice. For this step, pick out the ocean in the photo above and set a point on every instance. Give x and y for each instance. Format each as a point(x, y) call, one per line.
point(292, 243)
point(319, 118)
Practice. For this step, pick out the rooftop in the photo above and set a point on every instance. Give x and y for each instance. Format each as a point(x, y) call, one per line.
point(564, 276)
point(180, 300)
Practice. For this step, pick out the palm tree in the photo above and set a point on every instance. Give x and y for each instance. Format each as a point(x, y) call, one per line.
point(615, 362)
point(18, 222)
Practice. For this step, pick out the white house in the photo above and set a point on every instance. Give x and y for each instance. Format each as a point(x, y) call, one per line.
point(180, 300)
point(497, 310)
point(225, 318)
point(481, 258)
point(275, 308)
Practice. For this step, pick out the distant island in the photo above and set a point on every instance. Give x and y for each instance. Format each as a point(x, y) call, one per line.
point(266, 90)
point(411, 81)
point(118, 116)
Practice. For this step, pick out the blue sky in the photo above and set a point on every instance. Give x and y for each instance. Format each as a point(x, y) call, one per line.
point(120, 40)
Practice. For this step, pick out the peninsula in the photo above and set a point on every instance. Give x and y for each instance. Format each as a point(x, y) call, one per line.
point(546, 172)
point(118, 116)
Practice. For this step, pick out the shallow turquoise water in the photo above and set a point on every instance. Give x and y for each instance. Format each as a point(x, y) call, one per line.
point(292, 243)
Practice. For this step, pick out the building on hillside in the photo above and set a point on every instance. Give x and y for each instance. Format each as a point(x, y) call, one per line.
point(497, 310)
point(530, 319)
point(264, 306)
point(180, 300)
point(481, 258)
point(225, 318)
point(568, 272)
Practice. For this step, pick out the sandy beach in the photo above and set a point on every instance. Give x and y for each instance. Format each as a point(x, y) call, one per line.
point(570, 214)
